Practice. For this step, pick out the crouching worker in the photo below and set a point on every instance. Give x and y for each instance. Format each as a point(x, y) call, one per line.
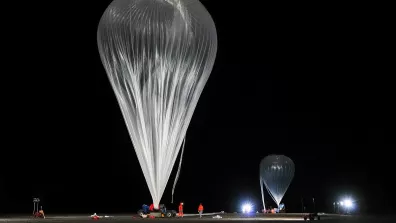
point(200, 210)
point(41, 212)
point(145, 209)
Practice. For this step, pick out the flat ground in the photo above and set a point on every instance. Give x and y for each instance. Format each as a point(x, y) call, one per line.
point(235, 218)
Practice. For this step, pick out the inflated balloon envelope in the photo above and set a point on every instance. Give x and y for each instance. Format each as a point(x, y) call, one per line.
point(276, 173)
point(158, 55)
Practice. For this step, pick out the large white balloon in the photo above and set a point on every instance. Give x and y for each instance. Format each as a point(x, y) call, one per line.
point(276, 173)
point(158, 55)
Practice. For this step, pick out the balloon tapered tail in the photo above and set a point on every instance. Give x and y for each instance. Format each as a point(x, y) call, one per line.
point(178, 170)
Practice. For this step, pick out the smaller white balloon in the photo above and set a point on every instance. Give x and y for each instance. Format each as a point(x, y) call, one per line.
point(276, 173)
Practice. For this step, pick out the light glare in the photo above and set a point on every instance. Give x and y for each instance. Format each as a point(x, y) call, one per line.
point(247, 208)
point(348, 203)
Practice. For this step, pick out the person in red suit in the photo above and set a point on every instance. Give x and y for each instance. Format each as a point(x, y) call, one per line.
point(200, 210)
point(181, 209)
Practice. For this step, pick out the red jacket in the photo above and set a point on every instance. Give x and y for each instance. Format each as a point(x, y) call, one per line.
point(151, 208)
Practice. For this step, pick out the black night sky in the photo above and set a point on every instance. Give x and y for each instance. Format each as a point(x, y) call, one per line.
point(307, 81)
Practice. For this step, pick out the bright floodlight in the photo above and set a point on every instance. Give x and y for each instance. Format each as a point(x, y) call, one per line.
point(247, 208)
point(348, 203)
point(342, 203)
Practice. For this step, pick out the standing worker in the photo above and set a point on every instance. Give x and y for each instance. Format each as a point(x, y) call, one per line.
point(181, 209)
point(200, 210)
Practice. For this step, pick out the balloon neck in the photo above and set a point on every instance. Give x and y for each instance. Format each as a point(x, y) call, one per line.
point(172, 1)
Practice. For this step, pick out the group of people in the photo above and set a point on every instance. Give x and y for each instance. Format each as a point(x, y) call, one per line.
point(150, 208)
point(200, 209)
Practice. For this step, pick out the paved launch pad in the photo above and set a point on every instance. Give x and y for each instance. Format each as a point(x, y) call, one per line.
point(194, 219)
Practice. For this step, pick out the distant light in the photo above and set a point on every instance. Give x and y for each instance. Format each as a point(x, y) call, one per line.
point(348, 203)
point(342, 203)
point(247, 208)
